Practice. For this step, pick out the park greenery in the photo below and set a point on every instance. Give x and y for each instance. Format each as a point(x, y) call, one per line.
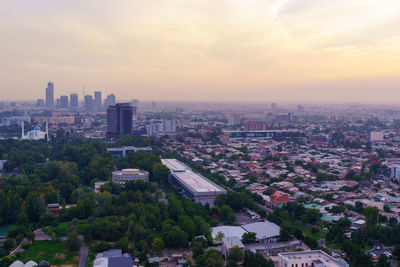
point(139, 218)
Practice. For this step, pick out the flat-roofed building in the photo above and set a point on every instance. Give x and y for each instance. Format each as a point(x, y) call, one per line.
point(265, 231)
point(191, 184)
point(123, 151)
point(311, 258)
point(126, 175)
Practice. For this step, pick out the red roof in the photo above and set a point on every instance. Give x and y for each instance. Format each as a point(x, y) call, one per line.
point(277, 195)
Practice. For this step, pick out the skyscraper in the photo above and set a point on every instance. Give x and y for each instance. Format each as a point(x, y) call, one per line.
point(135, 103)
point(64, 101)
point(119, 120)
point(88, 102)
point(50, 95)
point(73, 99)
point(40, 103)
point(97, 100)
point(109, 101)
point(274, 107)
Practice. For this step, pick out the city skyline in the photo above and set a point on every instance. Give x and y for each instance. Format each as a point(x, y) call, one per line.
point(251, 51)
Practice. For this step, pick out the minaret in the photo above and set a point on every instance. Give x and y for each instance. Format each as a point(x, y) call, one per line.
point(22, 132)
point(47, 131)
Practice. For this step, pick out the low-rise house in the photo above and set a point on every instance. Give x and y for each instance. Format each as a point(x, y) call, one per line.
point(278, 199)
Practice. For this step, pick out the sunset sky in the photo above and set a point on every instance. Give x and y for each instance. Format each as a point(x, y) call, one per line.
point(217, 50)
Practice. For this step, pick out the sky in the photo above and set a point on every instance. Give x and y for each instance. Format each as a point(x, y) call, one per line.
point(207, 50)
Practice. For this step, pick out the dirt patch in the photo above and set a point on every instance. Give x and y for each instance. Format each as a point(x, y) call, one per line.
point(59, 256)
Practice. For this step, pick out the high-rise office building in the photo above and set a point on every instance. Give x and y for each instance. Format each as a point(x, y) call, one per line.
point(97, 100)
point(50, 95)
point(64, 101)
point(88, 102)
point(109, 101)
point(274, 107)
point(135, 103)
point(40, 103)
point(119, 120)
point(73, 99)
point(135, 106)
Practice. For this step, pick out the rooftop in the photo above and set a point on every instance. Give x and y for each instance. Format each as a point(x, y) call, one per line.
point(174, 165)
point(314, 255)
point(263, 229)
point(192, 180)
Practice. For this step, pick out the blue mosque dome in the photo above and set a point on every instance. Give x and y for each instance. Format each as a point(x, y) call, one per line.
point(37, 128)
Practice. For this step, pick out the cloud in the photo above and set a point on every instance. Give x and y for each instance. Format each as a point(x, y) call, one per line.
point(185, 48)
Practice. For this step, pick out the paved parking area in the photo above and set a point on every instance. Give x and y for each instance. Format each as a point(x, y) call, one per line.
point(242, 218)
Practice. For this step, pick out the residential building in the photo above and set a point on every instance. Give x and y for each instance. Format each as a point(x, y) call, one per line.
point(376, 136)
point(278, 199)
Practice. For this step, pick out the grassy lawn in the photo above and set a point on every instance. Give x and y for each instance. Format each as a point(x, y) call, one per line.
point(56, 253)
point(333, 246)
point(62, 228)
point(308, 232)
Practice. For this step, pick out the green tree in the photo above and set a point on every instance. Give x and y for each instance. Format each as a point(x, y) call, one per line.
point(160, 173)
point(9, 244)
point(158, 245)
point(34, 206)
point(249, 237)
point(371, 215)
point(187, 225)
point(396, 252)
point(254, 259)
point(313, 215)
point(73, 243)
point(175, 238)
point(235, 255)
point(212, 258)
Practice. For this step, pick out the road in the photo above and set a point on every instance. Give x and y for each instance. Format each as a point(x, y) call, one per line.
point(380, 248)
point(83, 253)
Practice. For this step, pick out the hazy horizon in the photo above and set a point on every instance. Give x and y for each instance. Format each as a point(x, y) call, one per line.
point(205, 51)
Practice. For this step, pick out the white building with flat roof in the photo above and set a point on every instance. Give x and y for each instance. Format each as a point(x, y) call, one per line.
point(123, 151)
point(191, 184)
point(126, 175)
point(311, 258)
point(376, 136)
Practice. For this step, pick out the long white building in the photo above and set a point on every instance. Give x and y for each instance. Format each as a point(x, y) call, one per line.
point(191, 184)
